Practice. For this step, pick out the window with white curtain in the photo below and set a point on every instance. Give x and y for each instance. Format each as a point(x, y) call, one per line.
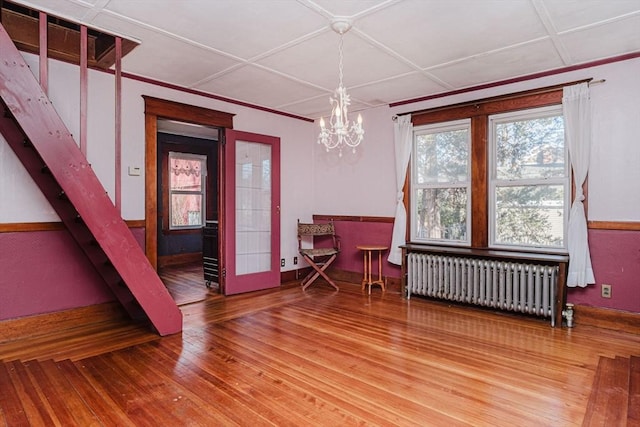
point(529, 180)
point(441, 183)
point(492, 173)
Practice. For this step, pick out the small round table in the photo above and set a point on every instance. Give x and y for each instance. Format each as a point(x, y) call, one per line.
point(367, 280)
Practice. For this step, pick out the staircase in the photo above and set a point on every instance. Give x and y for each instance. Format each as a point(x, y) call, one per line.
point(35, 132)
point(615, 395)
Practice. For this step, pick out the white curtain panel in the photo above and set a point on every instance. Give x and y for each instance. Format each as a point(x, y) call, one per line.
point(576, 107)
point(403, 139)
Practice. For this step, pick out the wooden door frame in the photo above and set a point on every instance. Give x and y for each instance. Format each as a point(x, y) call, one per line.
point(155, 108)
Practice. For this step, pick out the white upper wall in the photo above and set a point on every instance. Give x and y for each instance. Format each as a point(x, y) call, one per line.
point(313, 181)
point(360, 184)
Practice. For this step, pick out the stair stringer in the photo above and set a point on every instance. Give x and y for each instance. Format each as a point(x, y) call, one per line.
point(90, 216)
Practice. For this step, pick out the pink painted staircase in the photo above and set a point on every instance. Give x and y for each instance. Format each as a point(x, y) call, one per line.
point(35, 132)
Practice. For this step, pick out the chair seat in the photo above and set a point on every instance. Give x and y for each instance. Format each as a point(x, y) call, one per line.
point(317, 252)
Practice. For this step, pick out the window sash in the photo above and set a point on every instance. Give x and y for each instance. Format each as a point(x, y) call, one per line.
point(439, 185)
point(539, 183)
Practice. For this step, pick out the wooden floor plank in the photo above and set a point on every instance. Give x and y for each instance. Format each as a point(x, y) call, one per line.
point(288, 357)
point(101, 403)
point(38, 410)
point(633, 407)
point(66, 404)
point(11, 407)
point(231, 400)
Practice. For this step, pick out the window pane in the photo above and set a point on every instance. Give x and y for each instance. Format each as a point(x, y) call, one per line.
point(442, 156)
point(530, 149)
point(441, 213)
point(185, 174)
point(186, 210)
point(530, 215)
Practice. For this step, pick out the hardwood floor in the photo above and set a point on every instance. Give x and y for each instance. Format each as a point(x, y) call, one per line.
point(186, 283)
point(288, 357)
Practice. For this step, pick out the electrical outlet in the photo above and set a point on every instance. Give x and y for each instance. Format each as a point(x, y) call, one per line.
point(282, 262)
point(295, 260)
point(606, 291)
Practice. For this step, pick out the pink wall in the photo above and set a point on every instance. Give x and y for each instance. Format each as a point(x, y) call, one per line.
point(45, 271)
point(353, 233)
point(615, 255)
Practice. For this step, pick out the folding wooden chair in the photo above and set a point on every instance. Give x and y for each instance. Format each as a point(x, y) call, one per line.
point(319, 258)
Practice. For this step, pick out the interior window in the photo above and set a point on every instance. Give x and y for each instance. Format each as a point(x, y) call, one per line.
point(187, 184)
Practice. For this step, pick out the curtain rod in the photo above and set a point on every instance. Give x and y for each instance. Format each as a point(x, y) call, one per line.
point(589, 81)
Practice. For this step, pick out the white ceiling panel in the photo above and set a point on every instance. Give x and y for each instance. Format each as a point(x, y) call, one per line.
point(283, 55)
point(606, 40)
point(317, 61)
point(74, 10)
point(187, 64)
point(258, 86)
point(348, 8)
point(244, 28)
point(567, 15)
point(435, 31)
point(396, 89)
point(501, 65)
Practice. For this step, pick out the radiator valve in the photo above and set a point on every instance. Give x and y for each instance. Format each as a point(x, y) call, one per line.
point(567, 313)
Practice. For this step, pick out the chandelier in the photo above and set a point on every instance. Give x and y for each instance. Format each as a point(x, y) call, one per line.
point(340, 132)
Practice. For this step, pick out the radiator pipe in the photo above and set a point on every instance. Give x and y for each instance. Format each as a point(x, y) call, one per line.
point(567, 313)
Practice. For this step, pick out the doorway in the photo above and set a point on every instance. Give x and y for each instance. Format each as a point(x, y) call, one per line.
point(157, 110)
point(187, 193)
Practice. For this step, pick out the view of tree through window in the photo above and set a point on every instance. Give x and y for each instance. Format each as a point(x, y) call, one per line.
point(441, 182)
point(529, 178)
point(491, 173)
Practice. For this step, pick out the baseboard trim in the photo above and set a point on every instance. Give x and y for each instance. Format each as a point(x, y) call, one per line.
point(179, 259)
point(42, 324)
point(393, 283)
point(624, 321)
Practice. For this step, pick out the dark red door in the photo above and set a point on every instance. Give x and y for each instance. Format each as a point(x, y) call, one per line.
point(251, 207)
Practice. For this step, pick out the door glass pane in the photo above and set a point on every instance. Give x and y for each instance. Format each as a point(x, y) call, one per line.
point(253, 207)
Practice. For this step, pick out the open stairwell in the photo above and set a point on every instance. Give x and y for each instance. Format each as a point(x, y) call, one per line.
point(615, 395)
point(33, 129)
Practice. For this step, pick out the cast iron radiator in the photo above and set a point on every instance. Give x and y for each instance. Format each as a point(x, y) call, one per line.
point(507, 285)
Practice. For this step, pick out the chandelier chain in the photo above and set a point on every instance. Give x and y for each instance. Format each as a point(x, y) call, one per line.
point(340, 65)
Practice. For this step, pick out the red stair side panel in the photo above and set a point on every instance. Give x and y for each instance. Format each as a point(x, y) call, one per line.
point(47, 133)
